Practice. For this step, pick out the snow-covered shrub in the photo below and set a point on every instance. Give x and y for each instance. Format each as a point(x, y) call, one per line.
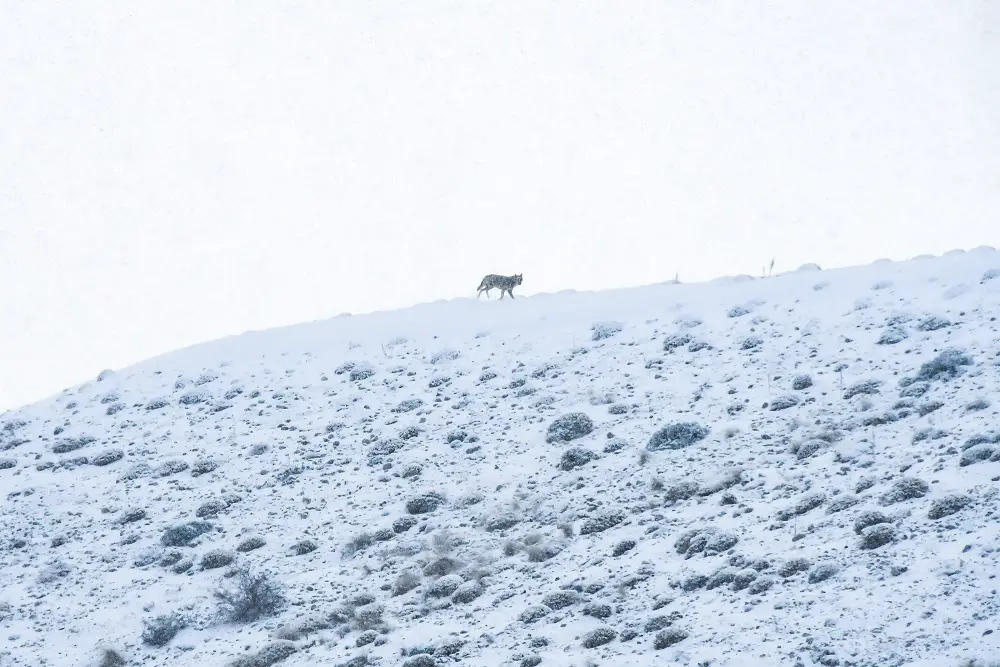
point(603, 330)
point(948, 505)
point(569, 427)
point(160, 630)
point(249, 597)
point(906, 488)
point(676, 436)
point(576, 457)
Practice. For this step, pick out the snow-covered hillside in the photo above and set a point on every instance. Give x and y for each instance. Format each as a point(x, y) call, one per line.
point(796, 470)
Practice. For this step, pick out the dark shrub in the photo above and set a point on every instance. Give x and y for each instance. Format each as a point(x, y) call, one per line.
point(425, 503)
point(906, 488)
point(877, 536)
point(868, 387)
point(822, 572)
point(271, 654)
point(216, 559)
point(250, 544)
point(561, 599)
point(800, 382)
point(601, 522)
point(792, 567)
point(676, 436)
point(467, 592)
point(576, 457)
point(408, 405)
point(674, 341)
point(805, 504)
point(892, 336)
point(599, 637)
point(841, 503)
point(948, 505)
point(669, 637)
point(605, 330)
point(569, 427)
point(622, 548)
point(601, 611)
point(107, 457)
point(185, 533)
point(945, 366)
point(160, 630)
point(783, 403)
point(869, 518)
point(249, 598)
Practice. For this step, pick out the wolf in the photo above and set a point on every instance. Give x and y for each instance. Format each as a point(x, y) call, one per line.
point(504, 283)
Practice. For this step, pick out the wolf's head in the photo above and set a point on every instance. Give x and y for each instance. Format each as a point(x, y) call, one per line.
point(518, 277)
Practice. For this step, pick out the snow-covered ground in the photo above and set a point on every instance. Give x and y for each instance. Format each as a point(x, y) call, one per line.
point(795, 470)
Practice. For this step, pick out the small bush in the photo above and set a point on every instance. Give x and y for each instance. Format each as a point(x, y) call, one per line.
point(599, 637)
point(532, 614)
point(945, 366)
point(948, 505)
point(800, 382)
point(601, 522)
point(615, 445)
point(251, 543)
point(677, 436)
point(792, 567)
point(112, 658)
point(892, 336)
point(978, 454)
point(425, 503)
point(271, 654)
point(160, 630)
point(444, 355)
point(467, 592)
point(977, 405)
point(405, 583)
point(822, 572)
point(674, 341)
point(906, 488)
point(183, 534)
point(622, 548)
point(603, 330)
point(841, 503)
point(867, 387)
point(216, 559)
point(251, 597)
point(668, 637)
point(784, 403)
point(761, 585)
point(303, 547)
point(869, 518)
point(569, 427)
point(576, 457)
point(933, 323)
point(561, 599)
point(408, 405)
point(805, 504)
point(601, 611)
point(107, 457)
point(877, 536)
point(361, 371)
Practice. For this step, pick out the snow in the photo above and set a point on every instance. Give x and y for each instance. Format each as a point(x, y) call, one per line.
point(284, 447)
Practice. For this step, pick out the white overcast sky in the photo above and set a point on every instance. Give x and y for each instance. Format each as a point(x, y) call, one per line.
point(173, 172)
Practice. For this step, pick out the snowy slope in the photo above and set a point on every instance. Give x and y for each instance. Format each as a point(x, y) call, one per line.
point(743, 472)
